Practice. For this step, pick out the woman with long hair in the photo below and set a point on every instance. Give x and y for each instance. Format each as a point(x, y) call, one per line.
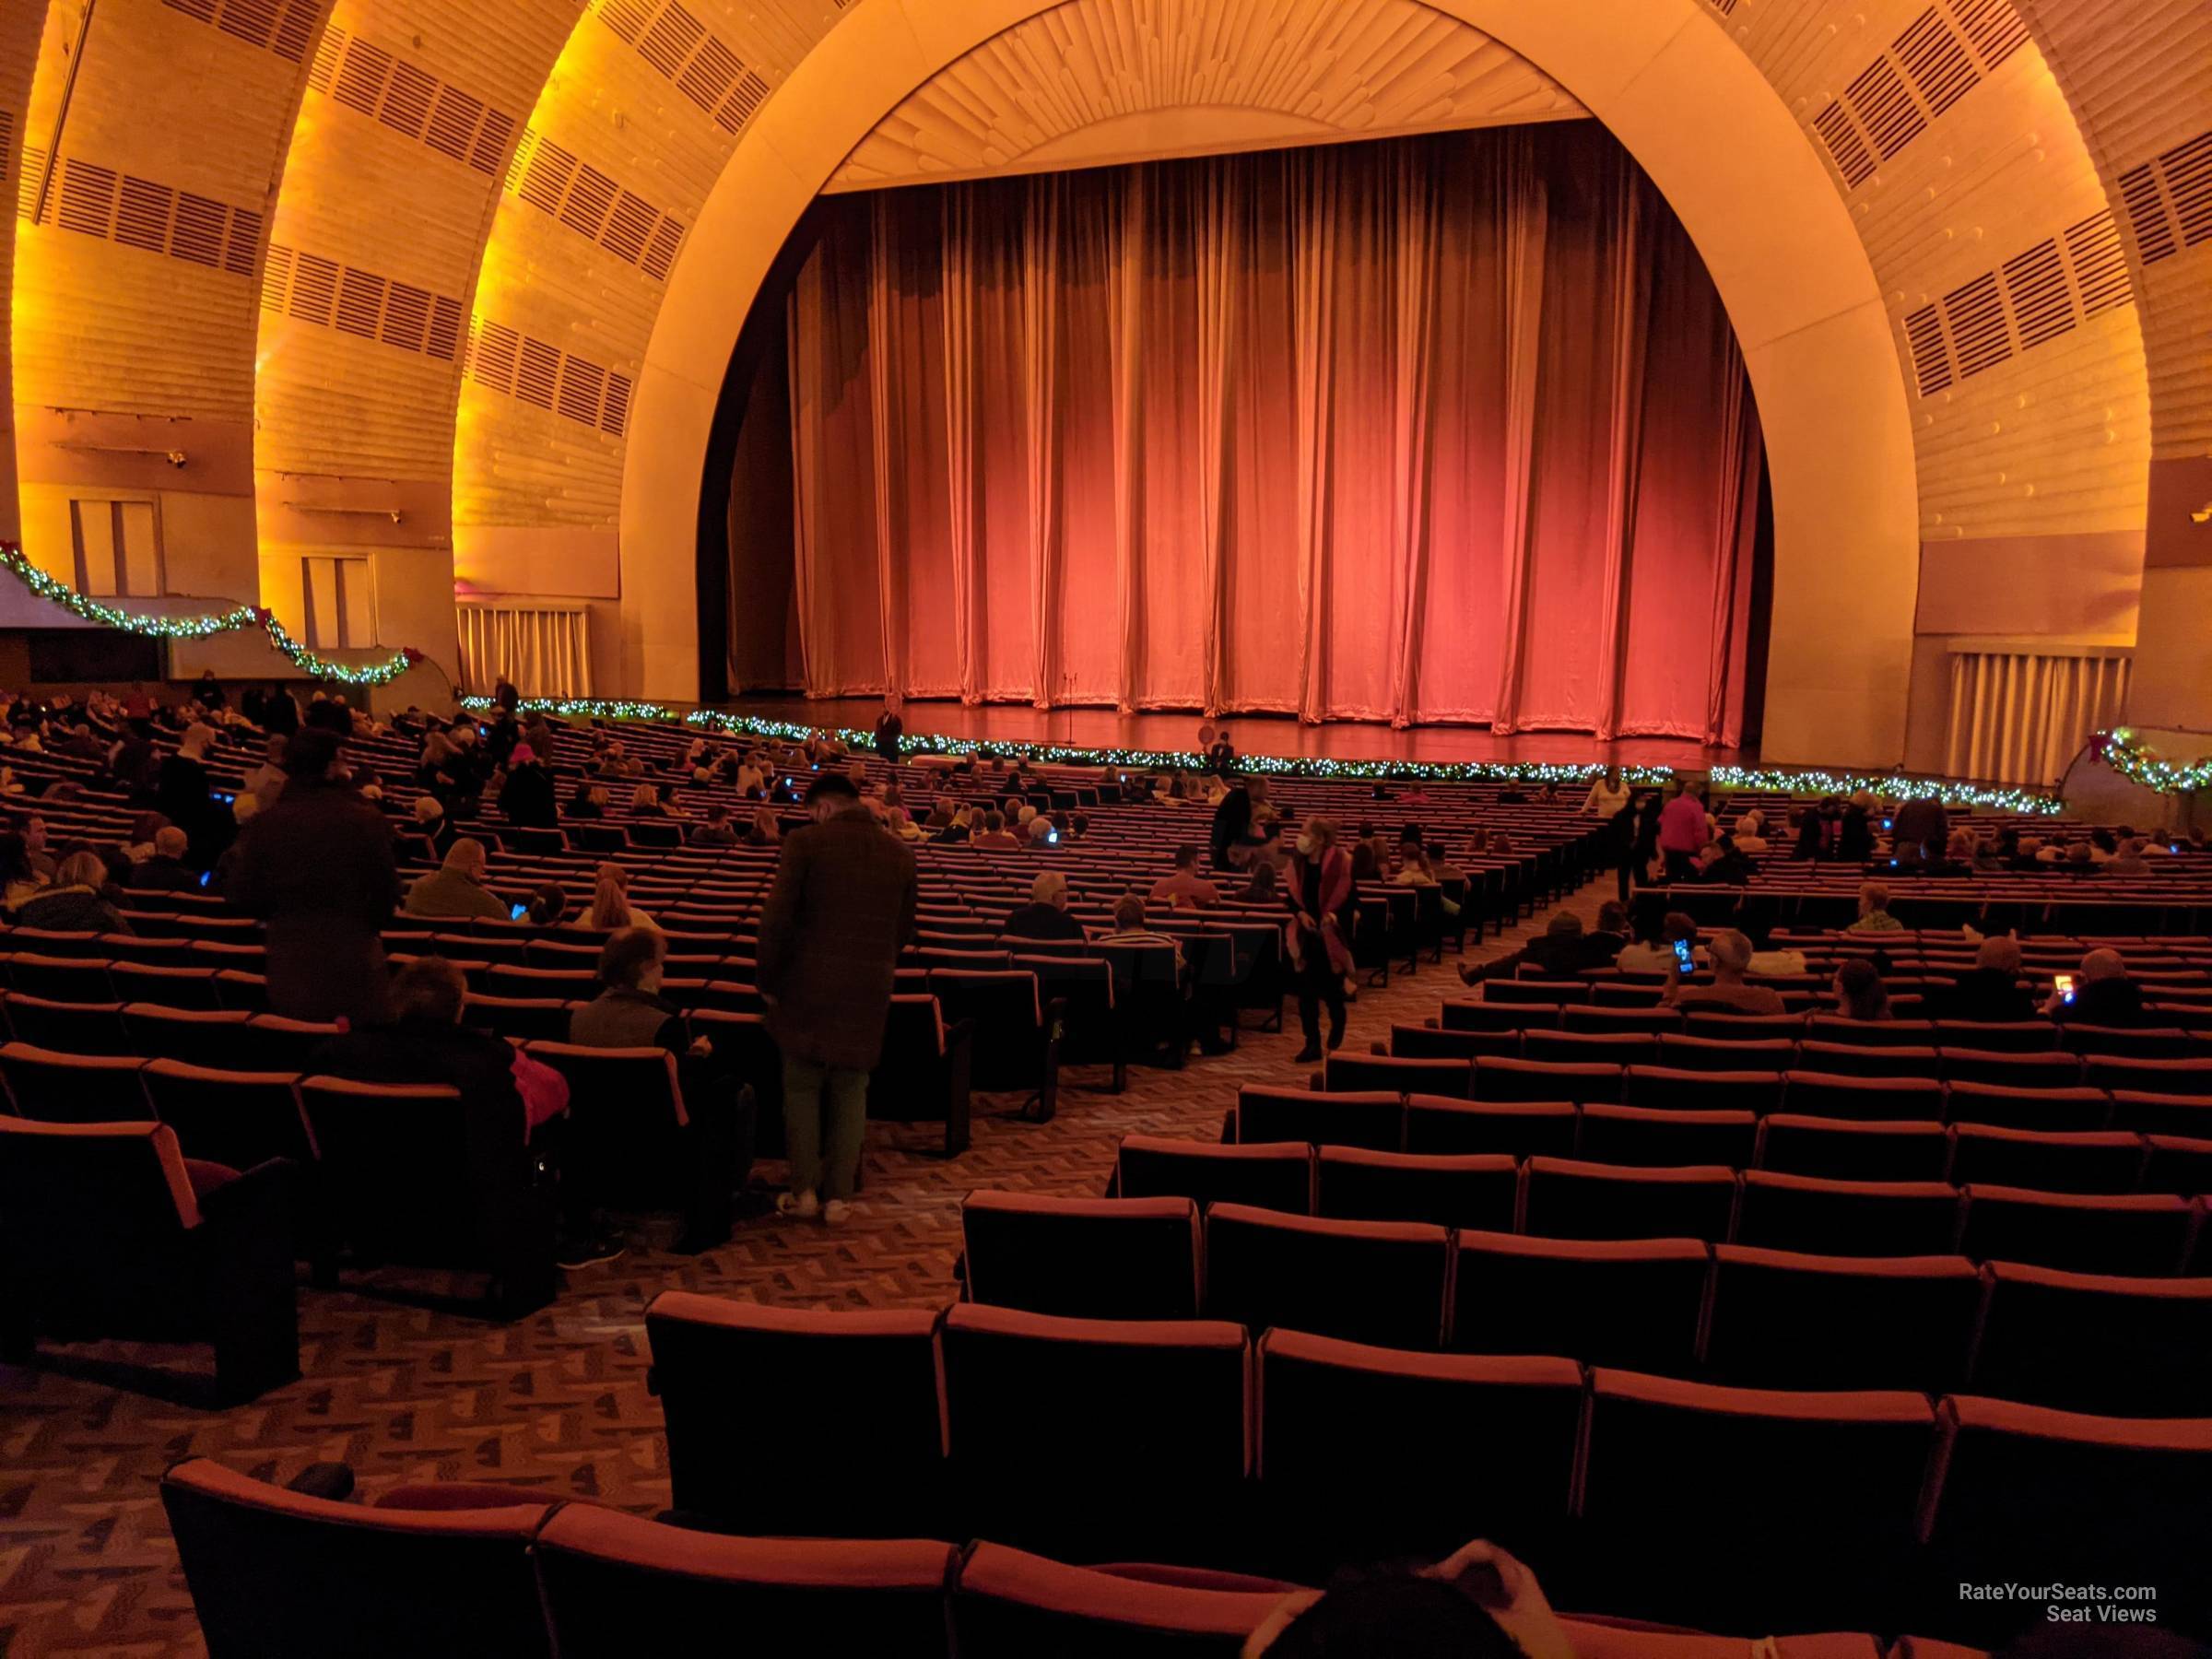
point(1860, 993)
point(1317, 889)
point(611, 907)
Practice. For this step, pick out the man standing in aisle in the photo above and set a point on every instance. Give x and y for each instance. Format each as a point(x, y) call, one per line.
point(842, 910)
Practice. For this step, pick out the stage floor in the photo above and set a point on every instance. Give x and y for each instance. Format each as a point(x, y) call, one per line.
point(1277, 734)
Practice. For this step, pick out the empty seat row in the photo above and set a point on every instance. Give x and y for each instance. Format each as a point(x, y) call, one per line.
point(1549, 1027)
point(2144, 1234)
point(2064, 1158)
point(1679, 1307)
point(1184, 1441)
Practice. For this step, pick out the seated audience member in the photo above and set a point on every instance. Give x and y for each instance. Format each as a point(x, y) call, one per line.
point(1130, 927)
point(1752, 833)
point(1724, 864)
point(76, 901)
point(645, 800)
point(765, 831)
point(22, 882)
point(631, 1012)
point(611, 907)
point(587, 800)
point(1260, 887)
point(138, 845)
point(1602, 946)
point(1812, 832)
point(714, 829)
point(1731, 954)
point(425, 1042)
point(1045, 915)
point(527, 797)
point(2103, 993)
point(1860, 993)
point(1919, 831)
point(456, 887)
point(1990, 991)
point(1478, 1603)
point(1185, 887)
point(267, 779)
point(548, 906)
point(1561, 951)
point(2128, 860)
point(1873, 911)
point(1040, 832)
point(432, 824)
point(165, 871)
point(994, 838)
point(1654, 950)
point(1370, 858)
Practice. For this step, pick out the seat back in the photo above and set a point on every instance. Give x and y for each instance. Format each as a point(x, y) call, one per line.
point(69, 1028)
point(1352, 1183)
point(1852, 1149)
point(1008, 1603)
point(198, 1036)
point(55, 1088)
point(1545, 1080)
point(1276, 1175)
point(1009, 1023)
point(1639, 1135)
point(2138, 1235)
point(1368, 1074)
point(858, 1445)
point(1780, 1319)
point(230, 1117)
point(2131, 1348)
point(2010, 1068)
point(627, 1119)
point(275, 1574)
point(604, 1570)
point(1374, 1118)
point(1821, 1217)
point(1082, 1258)
point(2081, 1162)
point(1566, 1199)
point(1633, 1302)
point(1672, 1086)
point(1830, 1095)
point(410, 1172)
point(1364, 1281)
point(94, 1220)
point(1516, 1128)
point(2046, 1109)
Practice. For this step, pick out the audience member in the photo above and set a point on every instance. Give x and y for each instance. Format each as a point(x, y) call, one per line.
point(1317, 890)
point(456, 887)
point(1657, 929)
point(766, 830)
point(165, 870)
point(1919, 833)
point(611, 907)
point(317, 867)
point(1854, 829)
point(1478, 1603)
point(1990, 991)
point(266, 781)
point(2128, 860)
point(1131, 927)
point(1602, 945)
point(1045, 916)
point(527, 798)
point(842, 910)
point(631, 1012)
point(1860, 993)
point(185, 795)
point(1683, 831)
point(1561, 951)
point(1608, 796)
point(1260, 886)
point(2103, 994)
point(75, 901)
point(1185, 888)
point(714, 829)
point(994, 838)
point(1873, 911)
point(1731, 955)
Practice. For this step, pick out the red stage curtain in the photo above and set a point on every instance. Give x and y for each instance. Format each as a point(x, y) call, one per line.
point(1434, 429)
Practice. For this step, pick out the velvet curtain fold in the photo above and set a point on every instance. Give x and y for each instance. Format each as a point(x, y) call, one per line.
point(2020, 717)
point(1445, 427)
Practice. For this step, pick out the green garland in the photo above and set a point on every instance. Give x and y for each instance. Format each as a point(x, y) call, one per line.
point(202, 628)
point(2001, 798)
point(2125, 754)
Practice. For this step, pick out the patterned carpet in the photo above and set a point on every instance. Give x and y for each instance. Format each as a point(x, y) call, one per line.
point(558, 1403)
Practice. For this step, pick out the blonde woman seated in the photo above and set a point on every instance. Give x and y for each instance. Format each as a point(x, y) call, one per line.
point(1752, 833)
point(766, 830)
point(611, 907)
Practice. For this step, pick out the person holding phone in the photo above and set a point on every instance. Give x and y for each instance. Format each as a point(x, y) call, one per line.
point(1730, 953)
point(2101, 995)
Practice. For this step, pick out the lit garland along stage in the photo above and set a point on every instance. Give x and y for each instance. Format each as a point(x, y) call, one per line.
point(2120, 750)
point(1894, 786)
point(202, 628)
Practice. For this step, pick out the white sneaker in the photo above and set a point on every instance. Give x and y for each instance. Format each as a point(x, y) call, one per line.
point(801, 1205)
point(835, 1211)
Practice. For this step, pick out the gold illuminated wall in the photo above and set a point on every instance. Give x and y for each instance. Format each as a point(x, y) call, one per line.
point(387, 272)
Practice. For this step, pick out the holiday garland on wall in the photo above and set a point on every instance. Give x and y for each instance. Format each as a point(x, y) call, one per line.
point(1894, 786)
point(202, 628)
point(2120, 750)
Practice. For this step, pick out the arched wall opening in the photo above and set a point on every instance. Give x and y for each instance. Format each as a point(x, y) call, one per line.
point(1711, 133)
point(1448, 429)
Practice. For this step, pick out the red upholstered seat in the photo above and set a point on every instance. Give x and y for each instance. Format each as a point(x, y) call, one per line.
point(2084, 1162)
point(2150, 1112)
point(1366, 1451)
point(1862, 1059)
point(94, 1027)
point(232, 1117)
point(2095, 1342)
point(2042, 1109)
point(274, 1042)
point(1869, 1033)
point(1345, 1072)
point(1460, 1015)
point(1365, 1281)
point(2138, 1042)
point(1373, 1118)
point(608, 1577)
point(2052, 1070)
point(1516, 1128)
point(2175, 1164)
point(1750, 1051)
point(275, 1574)
point(2191, 1077)
point(1448, 1043)
point(1639, 1135)
point(1852, 1150)
point(2141, 1234)
point(1671, 1087)
point(1008, 1603)
point(2018, 1036)
point(73, 1089)
point(1781, 1319)
point(1610, 1047)
point(858, 1449)
point(1652, 1021)
point(1470, 1189)
point(1273, 1175)
point(1848, 1217)
point(1545, 1080)
point(1883, 1099)
point(1086, 1258)
point(1161, 1405)
point(1633, 1302)
point(1566, 1199)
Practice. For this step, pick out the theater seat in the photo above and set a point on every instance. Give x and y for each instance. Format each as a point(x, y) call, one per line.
point(1668, 1087)
point(1474, 1189)
point(607, 1574)
point(105, 1232)
point(1448, 1043)
point(275, 1574)
point(1632, 1302)
point(1008, 1603)
point(1373, 1118)
point(1365, 1452)
point(2176, 1164)
point(1037, 1408)
point(1848, 1217)
point(273, 1042)
point(232, 1117)
point(1462, 1015)
point(1545, 1080)
point(1610, 1047)
point(1695, 1497)
point(1083, 1258)
point(67, 1028)
point(2011, 1070)
point(1983, 1154)
point(1364, 1281)
point(1781, 1319)
point(1853, 1149)
point(2143, 1235)
point(2189, 1078)
point(1368, 1073)
point(2040, 1108)
point(1515, 1128)
point(1637, 1135)
point(2149, 1112)
point(857, 1445)
point(1273, 1175)
point(2095, 1342)
point(1858, 1060)
point(198, 1036)
point(55, 1088)
point(1872, 1099)
point(1727, 1052)
point(2029, 1495)
point(1566, 1199)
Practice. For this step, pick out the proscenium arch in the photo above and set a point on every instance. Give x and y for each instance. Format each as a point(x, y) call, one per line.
point(1698, 117)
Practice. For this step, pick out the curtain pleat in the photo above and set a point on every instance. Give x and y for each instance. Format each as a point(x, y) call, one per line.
point(545, 652)
point(2017, 717)
point(1448, 428)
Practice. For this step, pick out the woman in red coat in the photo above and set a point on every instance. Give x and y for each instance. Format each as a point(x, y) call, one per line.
point(1317, 887)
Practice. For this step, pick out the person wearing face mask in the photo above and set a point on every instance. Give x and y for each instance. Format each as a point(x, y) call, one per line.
point(1317, 889)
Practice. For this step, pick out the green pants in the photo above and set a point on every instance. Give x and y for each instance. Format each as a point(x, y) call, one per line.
point(825, 1113)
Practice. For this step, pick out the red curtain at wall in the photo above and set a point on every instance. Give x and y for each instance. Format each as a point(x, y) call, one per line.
point(1436, 429)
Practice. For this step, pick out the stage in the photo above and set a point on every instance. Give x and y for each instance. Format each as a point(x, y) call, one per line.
point(1278, 734)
